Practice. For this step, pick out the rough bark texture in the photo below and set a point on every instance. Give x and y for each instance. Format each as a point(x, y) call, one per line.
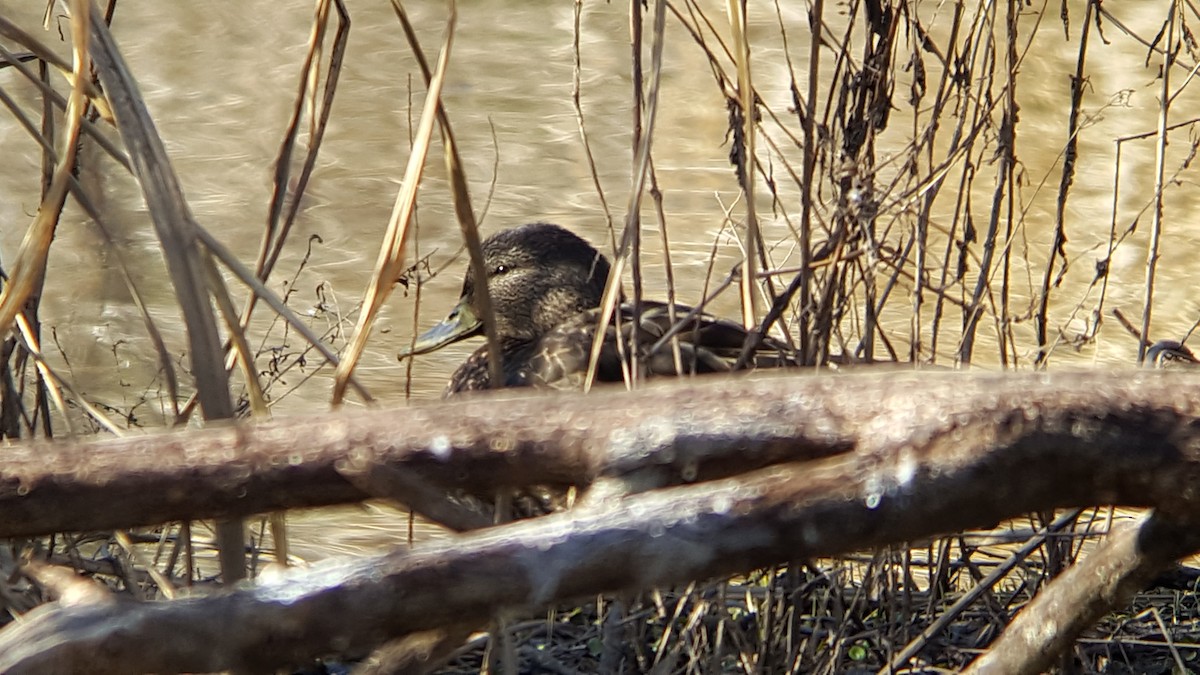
point(481, 444)
point(1136, 434)
point(975, 450)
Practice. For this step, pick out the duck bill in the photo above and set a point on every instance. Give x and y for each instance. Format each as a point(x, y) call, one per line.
point(459, 325)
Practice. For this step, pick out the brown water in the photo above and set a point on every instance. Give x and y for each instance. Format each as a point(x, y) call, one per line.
point(219, 79)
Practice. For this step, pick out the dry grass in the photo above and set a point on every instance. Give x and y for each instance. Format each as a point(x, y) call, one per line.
point(931, 608)
point(887, 215)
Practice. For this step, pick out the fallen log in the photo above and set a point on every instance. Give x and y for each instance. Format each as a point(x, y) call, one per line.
point(481, 444)
point(671, 433)
point(976, 450)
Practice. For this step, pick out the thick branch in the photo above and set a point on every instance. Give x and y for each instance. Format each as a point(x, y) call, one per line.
point(955, 472)
point(481, 444)
point(1127, 427)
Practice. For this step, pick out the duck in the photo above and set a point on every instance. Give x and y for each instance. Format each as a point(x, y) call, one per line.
point(1170, 354)
point(546, 284)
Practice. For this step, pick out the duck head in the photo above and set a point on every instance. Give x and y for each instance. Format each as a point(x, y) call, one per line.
point(538, 276)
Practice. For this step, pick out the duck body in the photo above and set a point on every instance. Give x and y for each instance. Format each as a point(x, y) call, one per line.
point(546, 284)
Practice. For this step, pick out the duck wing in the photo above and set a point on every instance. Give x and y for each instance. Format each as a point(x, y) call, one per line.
point(706, 344)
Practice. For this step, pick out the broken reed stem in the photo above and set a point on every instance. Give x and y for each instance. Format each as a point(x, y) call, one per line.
point(463, 210)
point(577, 104)
point(736, 10)
point(1067, 177)
point(275, 234)
point(176, 230)
point(1160, 158)
point(632, 232)
point(630, 235)
point(390, 260)
point(25, 275)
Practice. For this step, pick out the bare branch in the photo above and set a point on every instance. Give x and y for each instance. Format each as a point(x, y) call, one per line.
point(1133, 434)
point(1100, 583)
point(913, 472)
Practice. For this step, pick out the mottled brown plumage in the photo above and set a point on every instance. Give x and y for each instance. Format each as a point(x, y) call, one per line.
point(545, 284)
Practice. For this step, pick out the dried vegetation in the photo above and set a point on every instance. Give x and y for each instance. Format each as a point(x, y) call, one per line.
point(887, 215)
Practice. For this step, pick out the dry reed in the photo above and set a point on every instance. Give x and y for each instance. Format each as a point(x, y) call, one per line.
point(893, 184)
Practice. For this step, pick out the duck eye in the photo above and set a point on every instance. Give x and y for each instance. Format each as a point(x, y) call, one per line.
point(500, 269)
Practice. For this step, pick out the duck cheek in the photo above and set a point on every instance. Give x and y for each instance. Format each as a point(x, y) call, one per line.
point(558, 305)
point(515, 325)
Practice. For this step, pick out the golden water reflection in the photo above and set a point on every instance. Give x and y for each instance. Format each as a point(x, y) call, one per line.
point(221, 95)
